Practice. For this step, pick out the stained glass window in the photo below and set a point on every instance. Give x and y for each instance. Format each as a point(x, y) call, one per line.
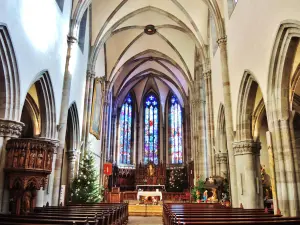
point(175, 128)
point(151, 140)
point(125, 131)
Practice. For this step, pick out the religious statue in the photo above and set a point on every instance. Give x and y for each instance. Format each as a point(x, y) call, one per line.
point(26, 201)
point(31, 159)
point(205, 195)
point(9, 158)
point(214, 197)
point(22, 158)
point(15, 159)
point(151, 170)
point(39, 160)
point(48, 164)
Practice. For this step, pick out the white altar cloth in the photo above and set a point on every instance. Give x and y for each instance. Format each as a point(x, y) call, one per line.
point(149, 193)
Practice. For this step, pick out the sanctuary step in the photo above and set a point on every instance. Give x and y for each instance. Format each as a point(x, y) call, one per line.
point(145, 210)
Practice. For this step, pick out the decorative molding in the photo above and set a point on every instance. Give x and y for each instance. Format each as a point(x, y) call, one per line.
point(72, 155)
point(90, 74)
point(246, 147)
point(223, 158)
point(10, 128)
point(207, 74)
point(222, 40)
point(71, 39)
point(150, 29)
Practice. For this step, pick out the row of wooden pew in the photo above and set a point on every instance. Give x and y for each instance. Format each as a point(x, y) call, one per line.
point(200, 214)
point(85, 214)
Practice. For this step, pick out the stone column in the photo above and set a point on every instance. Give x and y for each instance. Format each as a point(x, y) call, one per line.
point(223, 164)
point(222, 42)
point(8, 129)
point(113, 138)
point(62, 127)
point(289, 168)
point(40, 198)
point(283, 203)
point(210, 123)
point(295, 153)
point(72, 156)
point(218, 166)
point(88, 98)
point(248, 192)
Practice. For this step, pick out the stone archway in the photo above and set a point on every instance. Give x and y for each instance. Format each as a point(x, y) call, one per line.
point(280, 117)
point(246, 150)
point(221, 154)
point(9, 78)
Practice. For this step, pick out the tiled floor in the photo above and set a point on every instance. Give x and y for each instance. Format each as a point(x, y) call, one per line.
point(140, 220)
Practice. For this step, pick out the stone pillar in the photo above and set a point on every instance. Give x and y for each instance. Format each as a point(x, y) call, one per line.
point(113, 138)
point(40, 198)
point(62, 127)
point(210, 123)
point(222, 42)
point(289, 168)
point(218, 166)
point(283, 203)
point(72, 156)
point(272, 171)
point(88, 98)
point(223, 164)
point(8, 129)
point(295, 153)
point(245, 152)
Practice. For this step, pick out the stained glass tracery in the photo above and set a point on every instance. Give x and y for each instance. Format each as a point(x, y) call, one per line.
point(125, 131)
point(175, 127)
point(151, 132)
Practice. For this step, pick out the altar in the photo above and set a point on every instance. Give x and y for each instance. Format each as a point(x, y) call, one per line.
point(149, 194)
point(150, 191)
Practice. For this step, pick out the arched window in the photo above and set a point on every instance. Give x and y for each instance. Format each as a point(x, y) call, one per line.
point(125, 131)
point(175, 130)
point(151, 132)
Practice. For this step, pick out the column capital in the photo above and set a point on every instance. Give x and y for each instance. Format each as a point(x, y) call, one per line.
point(223, 157)
point(10, 128)
point(72, 155)
point(222, 41)
point(102, 79)
point(71, 39)
point(207, 74)
point(90, 74)
point(246, 147)
point(197, 101)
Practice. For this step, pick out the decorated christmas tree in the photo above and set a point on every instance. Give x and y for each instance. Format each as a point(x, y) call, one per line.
point(85, 187)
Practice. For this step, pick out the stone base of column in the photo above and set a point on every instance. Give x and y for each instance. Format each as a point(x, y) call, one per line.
point(40, 198)
point(247, 180)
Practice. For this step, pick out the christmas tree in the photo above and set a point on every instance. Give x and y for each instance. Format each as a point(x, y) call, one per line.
point(85, 187)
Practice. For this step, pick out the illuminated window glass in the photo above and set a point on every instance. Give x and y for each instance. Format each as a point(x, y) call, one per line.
point(151, 132)
point(125, 131)
point(175, 131)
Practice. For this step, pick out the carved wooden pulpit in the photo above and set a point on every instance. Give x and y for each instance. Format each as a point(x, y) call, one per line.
point(28, 164)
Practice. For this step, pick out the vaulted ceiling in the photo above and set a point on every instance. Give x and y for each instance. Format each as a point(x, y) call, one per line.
point(163, 55)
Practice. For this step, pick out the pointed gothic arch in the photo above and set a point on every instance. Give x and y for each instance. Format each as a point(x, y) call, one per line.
point(9, 78)
point(46, 104)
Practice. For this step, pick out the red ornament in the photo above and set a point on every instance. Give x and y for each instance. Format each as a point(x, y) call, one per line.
point(151, 123)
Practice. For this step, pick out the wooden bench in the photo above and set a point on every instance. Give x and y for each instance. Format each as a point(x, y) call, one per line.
point(193, 214)
point(92, 214)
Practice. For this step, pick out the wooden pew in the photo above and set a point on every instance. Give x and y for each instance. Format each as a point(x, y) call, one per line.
point(200, 214)
point(92, 214)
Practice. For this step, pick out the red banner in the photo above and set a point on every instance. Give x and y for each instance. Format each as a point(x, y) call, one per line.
point(107, 168)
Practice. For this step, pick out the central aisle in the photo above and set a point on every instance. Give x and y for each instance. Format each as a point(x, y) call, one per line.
point(141, 220)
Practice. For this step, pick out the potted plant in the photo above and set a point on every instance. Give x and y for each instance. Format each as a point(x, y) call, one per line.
point(198, 190)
